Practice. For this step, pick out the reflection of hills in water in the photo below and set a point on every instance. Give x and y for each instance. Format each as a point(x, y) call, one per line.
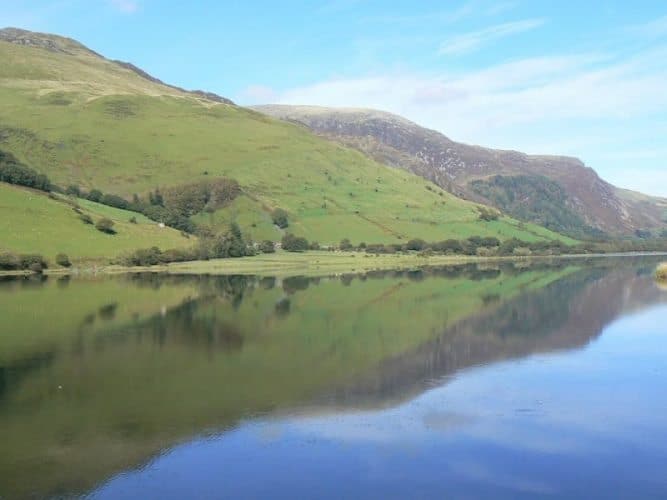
point(125, 367)
point(567, 314)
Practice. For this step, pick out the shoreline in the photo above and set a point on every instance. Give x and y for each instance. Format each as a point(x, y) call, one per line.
point(312, 263)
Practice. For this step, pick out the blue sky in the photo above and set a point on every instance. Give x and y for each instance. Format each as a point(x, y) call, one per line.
point(579, 78)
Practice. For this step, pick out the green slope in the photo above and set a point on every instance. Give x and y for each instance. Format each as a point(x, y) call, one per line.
point(84, 120)
point(31, 222)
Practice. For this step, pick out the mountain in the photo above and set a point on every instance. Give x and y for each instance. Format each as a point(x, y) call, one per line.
point(558, 192)
point(85, 120)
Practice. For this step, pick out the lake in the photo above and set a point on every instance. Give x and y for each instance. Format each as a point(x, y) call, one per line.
point(479, 381)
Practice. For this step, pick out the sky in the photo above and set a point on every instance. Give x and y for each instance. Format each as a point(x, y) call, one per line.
point(578, 78)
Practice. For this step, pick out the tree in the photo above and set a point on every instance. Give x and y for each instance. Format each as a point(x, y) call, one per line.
point(416, 244)
point(9, 262)
point(13, 171)
point(95, 195)
point(105, 225)
point(487, 214)
point(73, 190)
point(293, 243)
point(279, 217)
point(267, 246)
point(345, 245)
point(114, 201)
point(34, 262)
point(63, 260)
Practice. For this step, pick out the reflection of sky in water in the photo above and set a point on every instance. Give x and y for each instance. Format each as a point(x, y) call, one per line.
point(563, 424)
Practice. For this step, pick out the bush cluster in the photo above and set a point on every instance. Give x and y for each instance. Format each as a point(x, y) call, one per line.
point(230, 244)
point(22, 262)
point(475, 245)
point(280, 219)
point(105, 225)
point(175, 205)
point(13, 171)
point(292, 243)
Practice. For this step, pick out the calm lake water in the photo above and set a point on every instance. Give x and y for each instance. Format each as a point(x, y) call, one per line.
point(461, 382)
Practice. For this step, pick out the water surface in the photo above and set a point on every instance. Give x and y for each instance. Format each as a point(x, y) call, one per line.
point(463, 382)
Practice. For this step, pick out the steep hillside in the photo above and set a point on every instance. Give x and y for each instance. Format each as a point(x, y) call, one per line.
point(558, 192)
point(85, 120)
point(32, 222)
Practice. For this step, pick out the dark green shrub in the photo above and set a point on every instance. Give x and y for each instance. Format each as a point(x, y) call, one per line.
point(73, 190)
point(33, 262)
point(229, 244)
point(63, 260)
point(293, 243)
point(95, 195)
point(267, 246)
point(209, 195)
point(177, 255)
point(488, 214)
point(112, 200)
point(314, 245)
point(448, 246)
point(36, 267)
point(133, 220)
point(105, 225)
point(86, 219)
point(9, 262)
point(13, 171)
point(144, 257)
point(376, 248)
point(279, 217)
point(416, 245)
point(345, 245)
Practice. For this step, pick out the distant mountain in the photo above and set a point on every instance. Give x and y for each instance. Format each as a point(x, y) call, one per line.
point(558, 192)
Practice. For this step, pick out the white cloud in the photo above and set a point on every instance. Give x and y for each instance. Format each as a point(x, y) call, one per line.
point(473, 40)
point(596, 106)
point(125, 6)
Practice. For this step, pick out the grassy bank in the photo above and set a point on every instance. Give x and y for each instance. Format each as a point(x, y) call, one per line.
point(661, 272)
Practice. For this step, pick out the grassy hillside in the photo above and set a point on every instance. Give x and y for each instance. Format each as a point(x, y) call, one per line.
point(31, 222)
point(84, 120)
point(556, 190)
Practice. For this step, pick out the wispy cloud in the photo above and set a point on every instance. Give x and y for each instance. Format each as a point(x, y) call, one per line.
point(125, 6)
point(582, 104)
point(473, 40)
point(500, 8)
point(654, 29)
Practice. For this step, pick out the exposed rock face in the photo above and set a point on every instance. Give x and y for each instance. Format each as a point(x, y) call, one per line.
point(209, 96)
point(398, 142)
point(55, 43)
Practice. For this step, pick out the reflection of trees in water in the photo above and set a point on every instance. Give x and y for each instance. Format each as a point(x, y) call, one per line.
point(566, 314)
point(108, 312)
point(295, 284)
point(282, 307)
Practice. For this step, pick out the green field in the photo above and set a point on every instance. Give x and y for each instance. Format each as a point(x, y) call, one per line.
point(31, 222)
point(83, 120)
